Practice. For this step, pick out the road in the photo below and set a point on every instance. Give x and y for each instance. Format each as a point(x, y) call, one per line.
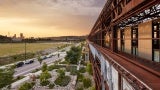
point(25, 69)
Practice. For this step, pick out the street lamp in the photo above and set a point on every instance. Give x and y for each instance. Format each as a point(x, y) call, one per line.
point(25, 48)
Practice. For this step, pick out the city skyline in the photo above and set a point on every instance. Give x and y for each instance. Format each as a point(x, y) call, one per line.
point(48, 18)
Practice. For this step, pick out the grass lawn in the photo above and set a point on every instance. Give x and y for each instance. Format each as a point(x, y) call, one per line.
point(8, 49)
point(13, 52)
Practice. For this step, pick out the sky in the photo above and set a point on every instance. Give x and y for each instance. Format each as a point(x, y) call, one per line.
point(47, 18)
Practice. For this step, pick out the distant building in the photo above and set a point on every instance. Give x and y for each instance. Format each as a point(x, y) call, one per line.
point(14, 36)
point(21, 36)
point(17, 39)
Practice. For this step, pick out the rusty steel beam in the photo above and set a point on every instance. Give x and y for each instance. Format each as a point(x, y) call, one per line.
point(129, 10)
point(138, 9)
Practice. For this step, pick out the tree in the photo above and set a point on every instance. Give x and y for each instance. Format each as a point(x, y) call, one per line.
point(6, 77)
point(89, 68)
point(61, 73)
point(39, 60)
point(73, 56)
point(82, 44)
point(44, 67)
point(44, 78)
point(62, 80)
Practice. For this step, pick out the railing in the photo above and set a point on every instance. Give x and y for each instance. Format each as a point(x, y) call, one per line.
point(131, 70)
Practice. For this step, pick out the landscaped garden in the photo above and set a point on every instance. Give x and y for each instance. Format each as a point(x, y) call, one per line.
point(72, 72)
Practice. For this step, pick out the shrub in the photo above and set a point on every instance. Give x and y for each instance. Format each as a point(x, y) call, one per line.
point(64, 62)
point(72, 70)
point(38, 77)
point(45, 75)
point(63, 50)
point(6, 77)
point(63, 81)
point(89, 68)
point(52, 67)
point(86, 82)
point(82, 70)
point(18, 78)
point(44, 67)
point(61, 73)
point(83, 62)
point(15, 57)
point(51, 86)
point(26, 86)
point(13, 66)
point(35, 70)
point(44, 83)
point(93, 88)
point(43, 78)
point(79, 86)
point(32, 83)
point(80, 77)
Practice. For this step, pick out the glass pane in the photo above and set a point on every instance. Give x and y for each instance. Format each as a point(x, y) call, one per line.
point(155, 42)
point(155, 27)
point(156, 55)
point(155, 34)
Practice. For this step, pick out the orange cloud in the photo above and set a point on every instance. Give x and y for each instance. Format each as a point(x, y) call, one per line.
point(45, 18)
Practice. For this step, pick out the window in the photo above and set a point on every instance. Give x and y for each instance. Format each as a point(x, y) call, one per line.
point(107, 39)
point(134, 36)
point(155, 34)
point(156, 41)
point(155, 28)
point(122, 40)
point(156, 55)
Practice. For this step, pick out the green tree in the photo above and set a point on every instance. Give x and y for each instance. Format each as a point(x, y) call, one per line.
point(39, 59)
point(6, 77)
point(73, 56)
point(61, 73)
point(44, 67)
point(89, 68)
point(62, 80)
point(82, 44)
point(44, 78)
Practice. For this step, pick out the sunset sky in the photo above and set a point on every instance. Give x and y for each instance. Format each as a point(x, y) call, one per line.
point(45, 18)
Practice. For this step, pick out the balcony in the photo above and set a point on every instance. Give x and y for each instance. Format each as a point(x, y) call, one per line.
point(139, 74)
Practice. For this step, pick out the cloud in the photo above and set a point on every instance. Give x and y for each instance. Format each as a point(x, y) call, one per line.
point(72, 15)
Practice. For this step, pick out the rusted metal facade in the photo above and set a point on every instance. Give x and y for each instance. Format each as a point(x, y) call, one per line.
point(118, 55)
